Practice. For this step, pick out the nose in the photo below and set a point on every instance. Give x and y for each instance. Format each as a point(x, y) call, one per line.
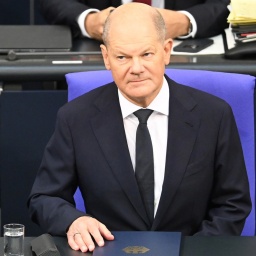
point(137, 66)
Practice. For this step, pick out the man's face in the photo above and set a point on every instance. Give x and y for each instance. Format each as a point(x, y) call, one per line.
point(137, 60)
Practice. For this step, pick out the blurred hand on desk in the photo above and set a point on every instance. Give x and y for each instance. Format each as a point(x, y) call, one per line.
point(177, 23)
point(94, 23)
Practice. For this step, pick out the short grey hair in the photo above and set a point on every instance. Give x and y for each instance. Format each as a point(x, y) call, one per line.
point(156, 18)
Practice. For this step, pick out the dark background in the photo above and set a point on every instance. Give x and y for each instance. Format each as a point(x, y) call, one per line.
point(20, 12)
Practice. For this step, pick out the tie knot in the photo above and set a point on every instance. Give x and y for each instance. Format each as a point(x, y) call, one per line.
point(143, 115)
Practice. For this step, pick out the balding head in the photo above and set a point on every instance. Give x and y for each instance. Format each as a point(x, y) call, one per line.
point(132, 18)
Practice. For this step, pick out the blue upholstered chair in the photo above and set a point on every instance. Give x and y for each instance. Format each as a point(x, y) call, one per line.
point(236, 89)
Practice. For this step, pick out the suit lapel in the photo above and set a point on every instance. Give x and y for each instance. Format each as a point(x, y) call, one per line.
point(182, 131)
point(109, 131)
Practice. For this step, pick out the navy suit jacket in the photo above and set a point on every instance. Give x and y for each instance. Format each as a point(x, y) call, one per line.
point(205, 189)
point(210, 15)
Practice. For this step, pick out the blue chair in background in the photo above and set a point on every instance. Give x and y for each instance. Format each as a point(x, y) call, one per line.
point(236, 89)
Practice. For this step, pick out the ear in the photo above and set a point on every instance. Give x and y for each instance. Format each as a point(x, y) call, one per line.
point(167, 49)
point(104, 52)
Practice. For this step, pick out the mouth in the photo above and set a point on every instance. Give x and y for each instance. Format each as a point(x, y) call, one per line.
point(138, 81)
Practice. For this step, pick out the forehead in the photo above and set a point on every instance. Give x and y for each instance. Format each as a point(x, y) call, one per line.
point(131, 34)
point(131, 25)
point(134, 47)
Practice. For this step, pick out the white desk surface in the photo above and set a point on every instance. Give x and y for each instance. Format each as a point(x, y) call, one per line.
point(216, 48)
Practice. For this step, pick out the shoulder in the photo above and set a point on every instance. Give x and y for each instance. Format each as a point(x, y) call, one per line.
point(88, 103)
point(184, 91)
point(197, 100)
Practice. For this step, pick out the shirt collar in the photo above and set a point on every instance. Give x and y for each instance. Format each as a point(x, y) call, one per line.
point(159, 104)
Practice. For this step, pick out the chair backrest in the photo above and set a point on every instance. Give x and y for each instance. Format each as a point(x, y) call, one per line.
point(236, 89)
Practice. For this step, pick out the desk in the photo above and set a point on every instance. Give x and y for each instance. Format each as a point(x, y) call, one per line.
point(190, 246)
point(40, 68)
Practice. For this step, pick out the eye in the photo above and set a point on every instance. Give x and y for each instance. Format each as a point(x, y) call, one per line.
point(148, 54)
point(121, 57)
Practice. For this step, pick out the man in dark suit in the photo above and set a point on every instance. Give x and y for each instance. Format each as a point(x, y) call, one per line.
point(200, 181)
point(202, 18)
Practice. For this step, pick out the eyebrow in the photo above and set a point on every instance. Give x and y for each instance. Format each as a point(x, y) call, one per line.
point(143, 51)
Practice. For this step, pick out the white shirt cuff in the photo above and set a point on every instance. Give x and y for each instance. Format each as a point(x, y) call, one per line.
point(81, 18)
point(194, 26)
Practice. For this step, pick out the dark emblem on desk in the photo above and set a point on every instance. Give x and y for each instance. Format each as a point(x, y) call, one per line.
point(135, 249)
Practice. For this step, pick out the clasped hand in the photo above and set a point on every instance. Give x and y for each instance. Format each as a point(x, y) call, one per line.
point(94, 23)
point(177, 23)
point(82, 232)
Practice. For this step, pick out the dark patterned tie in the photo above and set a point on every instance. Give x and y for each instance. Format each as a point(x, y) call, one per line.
point(143, 1)
point(144, 164)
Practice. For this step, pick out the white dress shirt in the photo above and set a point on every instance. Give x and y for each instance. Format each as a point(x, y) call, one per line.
point(155, 3)
point(158, 129)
